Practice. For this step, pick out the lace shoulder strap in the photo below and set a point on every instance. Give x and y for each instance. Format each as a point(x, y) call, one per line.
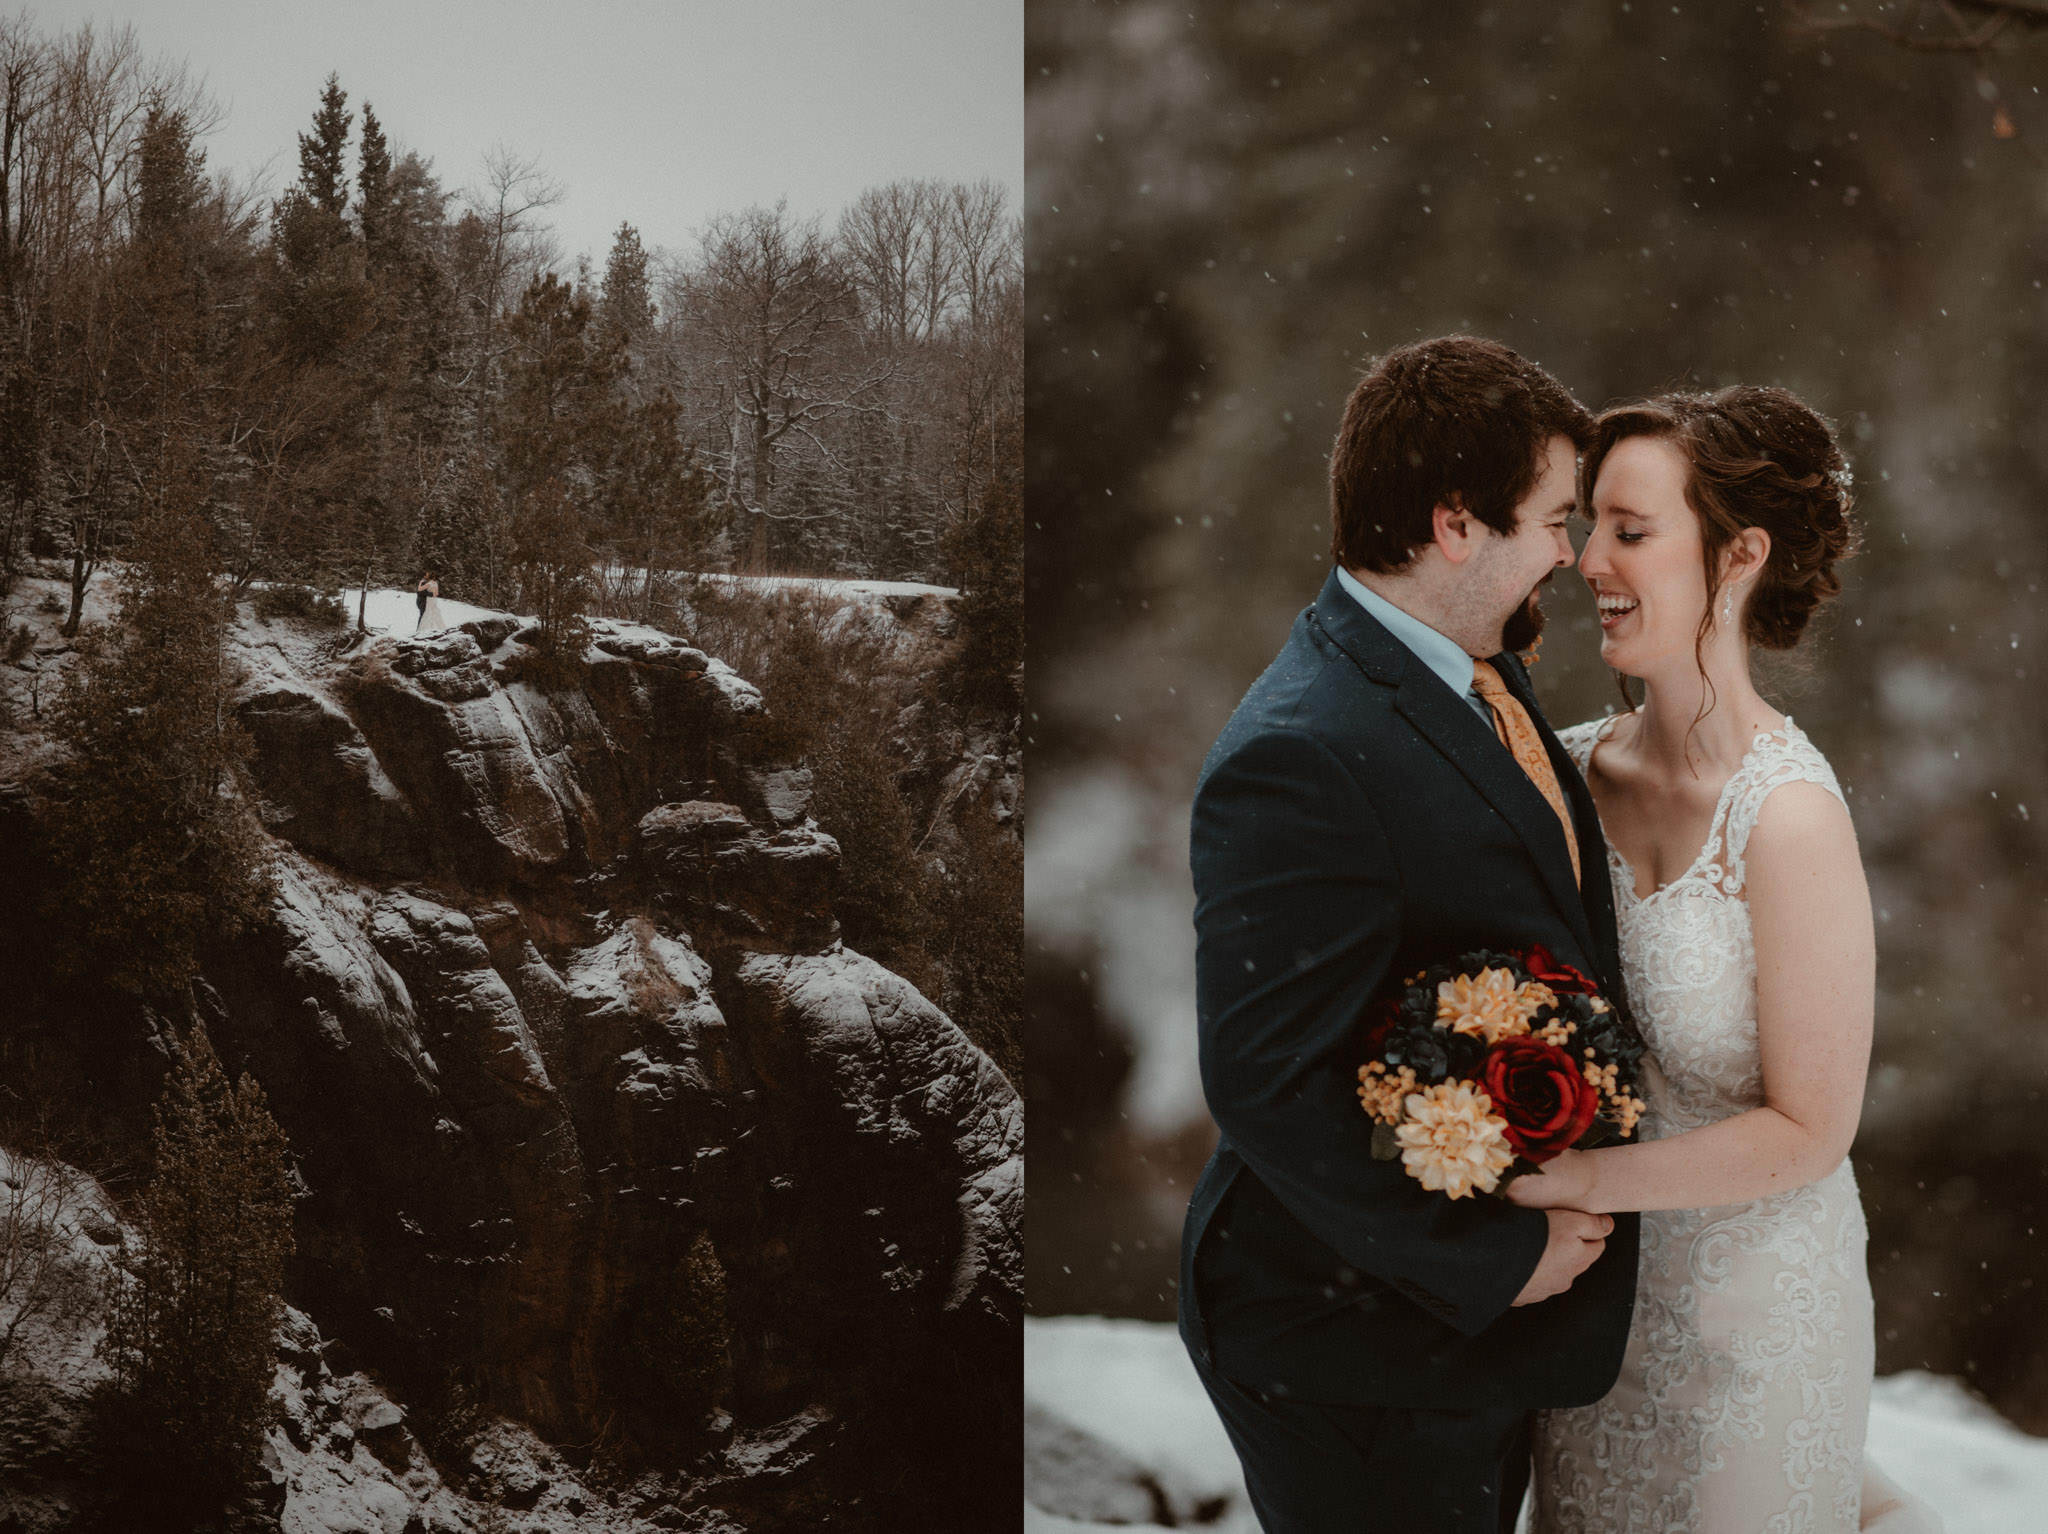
point(1780, 757)
point(1579, 740)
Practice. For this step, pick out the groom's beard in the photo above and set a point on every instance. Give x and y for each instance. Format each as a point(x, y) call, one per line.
point(1523, 625)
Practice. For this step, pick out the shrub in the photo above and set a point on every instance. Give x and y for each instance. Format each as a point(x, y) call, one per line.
point(554, 662)
point(986, 549)
point(951, 927)
point(154, 850)
point(980, 939)
point(20, 640)
point(551, 560)
point(809, 688)
point(300, 602)
point(676, 1344)
point(830, 704)
point(884, 905)
point(190, 1334)
point(551, 563)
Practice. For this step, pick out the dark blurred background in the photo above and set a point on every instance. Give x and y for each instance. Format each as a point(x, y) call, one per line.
point(1231, 208)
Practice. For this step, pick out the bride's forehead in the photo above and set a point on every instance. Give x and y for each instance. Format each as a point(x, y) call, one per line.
point(1645, 470)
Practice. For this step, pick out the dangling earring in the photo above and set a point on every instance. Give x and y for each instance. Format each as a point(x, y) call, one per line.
point(1728, 608)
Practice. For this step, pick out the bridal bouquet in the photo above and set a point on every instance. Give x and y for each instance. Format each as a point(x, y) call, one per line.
point(1487, 1067)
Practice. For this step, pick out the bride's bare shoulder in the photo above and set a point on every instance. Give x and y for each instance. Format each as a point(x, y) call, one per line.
point(1802, 838)
point(1602, 727)
point(1588, 735)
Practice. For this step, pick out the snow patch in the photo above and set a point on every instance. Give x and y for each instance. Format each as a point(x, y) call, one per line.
point(830, 584)
point(390, 611)
point(1128, 1385)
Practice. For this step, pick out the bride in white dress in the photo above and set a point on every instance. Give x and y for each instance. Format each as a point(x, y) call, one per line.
point(430, 620)
point(1748, 955)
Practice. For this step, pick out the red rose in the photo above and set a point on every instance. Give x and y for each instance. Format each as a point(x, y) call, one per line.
point(1544, 965)
point(1541, 1093)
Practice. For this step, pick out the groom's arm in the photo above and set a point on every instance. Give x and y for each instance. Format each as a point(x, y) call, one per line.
point(1297, 918)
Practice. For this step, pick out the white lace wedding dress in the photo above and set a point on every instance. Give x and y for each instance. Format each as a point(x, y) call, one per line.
point(430, 620)
point(1746, 1385)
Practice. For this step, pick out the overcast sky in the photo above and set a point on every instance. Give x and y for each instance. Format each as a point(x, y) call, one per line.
point(655, 112)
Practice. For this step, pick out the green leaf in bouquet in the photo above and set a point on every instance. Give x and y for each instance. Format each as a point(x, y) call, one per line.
point(1600, 1132)
point(1386, 1145)
point(1519, 1168)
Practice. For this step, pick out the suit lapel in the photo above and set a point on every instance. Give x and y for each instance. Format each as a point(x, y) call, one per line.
point(1454, 728)
point(1598, 891)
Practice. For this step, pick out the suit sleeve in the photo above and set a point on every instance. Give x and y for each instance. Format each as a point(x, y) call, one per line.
point(1297, 921)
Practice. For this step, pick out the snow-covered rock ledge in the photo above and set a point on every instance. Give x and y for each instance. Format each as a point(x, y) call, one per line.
point(1118, 1432)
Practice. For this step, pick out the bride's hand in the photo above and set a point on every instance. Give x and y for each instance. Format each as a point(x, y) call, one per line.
point(1564, 1182)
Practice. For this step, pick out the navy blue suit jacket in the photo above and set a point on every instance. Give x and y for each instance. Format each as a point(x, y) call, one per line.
point(1355, 822)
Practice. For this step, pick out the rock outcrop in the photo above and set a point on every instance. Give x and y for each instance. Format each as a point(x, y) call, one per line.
point(601, 1126)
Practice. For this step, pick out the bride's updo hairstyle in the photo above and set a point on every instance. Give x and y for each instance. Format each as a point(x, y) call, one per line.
point(1758, 457)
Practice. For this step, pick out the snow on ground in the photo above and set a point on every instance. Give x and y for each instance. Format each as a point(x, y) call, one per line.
point(629, 577)
point(1128, 1384)
point(828, 583)
point(392, 611)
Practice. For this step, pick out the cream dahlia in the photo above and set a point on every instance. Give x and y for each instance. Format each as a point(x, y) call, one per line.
point(1452, 1143)
point(1491, 1004)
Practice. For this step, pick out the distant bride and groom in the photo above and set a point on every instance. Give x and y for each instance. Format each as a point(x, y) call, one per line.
point(1671, 1331)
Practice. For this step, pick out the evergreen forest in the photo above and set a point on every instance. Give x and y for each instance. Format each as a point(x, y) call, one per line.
point(373, 372)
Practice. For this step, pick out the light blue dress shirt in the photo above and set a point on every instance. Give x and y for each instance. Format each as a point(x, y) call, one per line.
point(1446, 657)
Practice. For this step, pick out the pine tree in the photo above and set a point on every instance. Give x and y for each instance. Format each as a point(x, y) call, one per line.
point(190, 1333)
point(657, 497)
point(373, 184)
point(985, 551)
point(551, 560)
point(322, 175)
point(159, 308)
point(557, 388)
point(625, 310)
point(169, 180)
point(462, 529)
point(156, 851)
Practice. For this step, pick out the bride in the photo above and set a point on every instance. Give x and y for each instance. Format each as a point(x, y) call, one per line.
point(1749, 960)
point(430, 620)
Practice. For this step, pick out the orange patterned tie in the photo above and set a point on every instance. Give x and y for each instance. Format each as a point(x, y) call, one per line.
point(1517, 732)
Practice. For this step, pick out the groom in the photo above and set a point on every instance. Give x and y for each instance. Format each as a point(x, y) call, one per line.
point(1388, 796)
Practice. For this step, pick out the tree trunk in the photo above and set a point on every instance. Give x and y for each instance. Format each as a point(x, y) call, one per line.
point(764, 471)
point(81, 573)
point(10, 546)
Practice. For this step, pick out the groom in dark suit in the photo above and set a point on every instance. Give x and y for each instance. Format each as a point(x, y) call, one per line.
point(1388, 796)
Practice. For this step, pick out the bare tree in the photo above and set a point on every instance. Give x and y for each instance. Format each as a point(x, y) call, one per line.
point(935, 271)
point(989, 239)
point(901, 245)
point(878, 238)
point(26, 97)
point(41, 1284)
point(774, 316)
point(516, 244)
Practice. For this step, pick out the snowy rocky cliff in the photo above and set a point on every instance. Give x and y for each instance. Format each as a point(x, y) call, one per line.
point(603, 1131)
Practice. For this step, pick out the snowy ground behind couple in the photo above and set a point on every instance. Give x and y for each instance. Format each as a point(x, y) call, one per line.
point(396, 612)
point(1118, 1431)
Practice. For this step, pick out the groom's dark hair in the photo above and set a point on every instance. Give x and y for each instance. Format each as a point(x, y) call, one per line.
point(1455, 421)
